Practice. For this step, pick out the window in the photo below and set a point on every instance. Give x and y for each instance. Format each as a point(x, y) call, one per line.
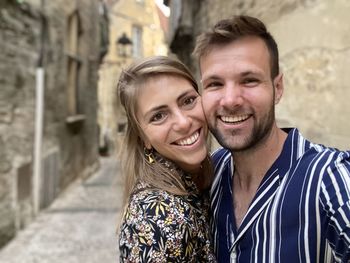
point(121, 128)
point(137, 41)
point(73, 62)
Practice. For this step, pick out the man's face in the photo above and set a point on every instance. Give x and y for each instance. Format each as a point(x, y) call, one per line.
point(238, 93)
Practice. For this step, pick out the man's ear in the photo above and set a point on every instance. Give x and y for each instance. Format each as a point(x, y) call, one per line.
point(279, 88)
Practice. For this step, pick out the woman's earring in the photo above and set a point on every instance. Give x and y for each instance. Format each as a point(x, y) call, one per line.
point(149, 155)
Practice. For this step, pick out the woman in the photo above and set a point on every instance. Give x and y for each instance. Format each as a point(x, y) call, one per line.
point(164, 160)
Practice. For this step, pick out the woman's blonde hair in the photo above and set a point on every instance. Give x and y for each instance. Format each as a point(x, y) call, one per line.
point(134, 164)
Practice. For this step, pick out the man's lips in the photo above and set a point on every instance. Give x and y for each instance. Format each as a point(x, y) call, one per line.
point(234, 119)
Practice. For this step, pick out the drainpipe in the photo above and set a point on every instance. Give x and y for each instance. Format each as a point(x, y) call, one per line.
point(39, 116)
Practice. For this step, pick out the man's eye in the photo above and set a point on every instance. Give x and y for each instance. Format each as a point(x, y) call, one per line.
point(157, 117)
point(250, 81)
point(212, 84)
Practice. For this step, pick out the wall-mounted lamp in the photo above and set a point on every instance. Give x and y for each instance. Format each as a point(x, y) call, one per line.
point(124, 46)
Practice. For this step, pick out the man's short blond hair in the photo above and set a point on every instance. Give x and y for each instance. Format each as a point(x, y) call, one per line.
point(229, 30)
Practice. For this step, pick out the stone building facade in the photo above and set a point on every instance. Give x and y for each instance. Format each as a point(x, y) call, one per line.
point(314, 44)
point(61, 40)
point(142, 23)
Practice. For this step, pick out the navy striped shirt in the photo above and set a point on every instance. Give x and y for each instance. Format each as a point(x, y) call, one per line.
point(300, 213)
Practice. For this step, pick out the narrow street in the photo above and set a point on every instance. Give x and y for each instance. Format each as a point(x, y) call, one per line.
point(78, 227)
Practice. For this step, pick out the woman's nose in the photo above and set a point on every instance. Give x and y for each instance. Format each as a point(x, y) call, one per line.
point(182, 121)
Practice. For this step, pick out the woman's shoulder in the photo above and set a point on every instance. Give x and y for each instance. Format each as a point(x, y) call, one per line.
point(155, 217)
point(153, 204)
point(145, 195)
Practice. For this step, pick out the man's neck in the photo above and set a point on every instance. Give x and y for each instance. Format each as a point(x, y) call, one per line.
point(250, 168)
point(252, 165)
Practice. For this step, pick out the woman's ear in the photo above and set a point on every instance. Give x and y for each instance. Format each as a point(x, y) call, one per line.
point(147, 145)
point(145, 141)
point(279, 88)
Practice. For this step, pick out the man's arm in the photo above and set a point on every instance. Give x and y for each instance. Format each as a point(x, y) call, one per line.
point(335, 199)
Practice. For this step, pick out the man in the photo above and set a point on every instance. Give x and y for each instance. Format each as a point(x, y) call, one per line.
point(276, 196)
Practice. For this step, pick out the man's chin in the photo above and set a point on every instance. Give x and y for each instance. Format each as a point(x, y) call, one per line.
point(233, 144)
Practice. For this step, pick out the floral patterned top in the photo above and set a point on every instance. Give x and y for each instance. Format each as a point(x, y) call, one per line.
point(163, 227)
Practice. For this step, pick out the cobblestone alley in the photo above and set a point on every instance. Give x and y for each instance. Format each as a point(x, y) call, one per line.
point(78, 227)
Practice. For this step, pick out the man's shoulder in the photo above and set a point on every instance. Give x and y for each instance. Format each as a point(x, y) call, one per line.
point(320, 158)
point(334, 155)
point(303, 147)
point(329, 152)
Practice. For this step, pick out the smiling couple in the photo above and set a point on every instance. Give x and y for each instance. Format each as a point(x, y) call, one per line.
point(269, 195)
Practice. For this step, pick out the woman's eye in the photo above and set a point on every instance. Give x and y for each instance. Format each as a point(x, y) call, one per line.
point(190, 100)
point(157, 117)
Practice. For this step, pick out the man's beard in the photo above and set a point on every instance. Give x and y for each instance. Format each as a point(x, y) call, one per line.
point(257, 136)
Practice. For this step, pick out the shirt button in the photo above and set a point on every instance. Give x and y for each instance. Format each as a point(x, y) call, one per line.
point(233, 256)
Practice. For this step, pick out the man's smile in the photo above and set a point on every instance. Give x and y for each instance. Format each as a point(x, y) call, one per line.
point(234, 119)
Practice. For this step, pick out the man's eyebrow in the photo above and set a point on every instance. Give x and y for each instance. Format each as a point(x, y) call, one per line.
point(241, 74)
point(249, 72)
point(210, 77)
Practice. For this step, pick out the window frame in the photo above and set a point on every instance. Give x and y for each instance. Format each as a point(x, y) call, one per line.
point(74, 64)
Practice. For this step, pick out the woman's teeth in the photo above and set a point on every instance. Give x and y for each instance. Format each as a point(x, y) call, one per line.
point(188, 141)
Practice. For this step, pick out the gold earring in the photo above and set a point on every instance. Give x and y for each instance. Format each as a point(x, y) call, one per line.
point(149, 155)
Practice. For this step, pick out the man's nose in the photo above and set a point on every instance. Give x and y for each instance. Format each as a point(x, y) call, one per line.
point(232, 96)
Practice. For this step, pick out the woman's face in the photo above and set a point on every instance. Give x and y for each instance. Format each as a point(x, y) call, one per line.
point(172, 120)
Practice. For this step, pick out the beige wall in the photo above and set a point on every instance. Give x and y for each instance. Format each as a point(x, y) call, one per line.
point(123, 16)
point(314, 42)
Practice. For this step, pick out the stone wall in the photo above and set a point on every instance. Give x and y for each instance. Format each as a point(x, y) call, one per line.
point(314, 43)
point(19, 31)
point(69, 151)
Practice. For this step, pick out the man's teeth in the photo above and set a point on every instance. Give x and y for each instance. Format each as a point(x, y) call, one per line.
point(190, 140)
point(234, 119)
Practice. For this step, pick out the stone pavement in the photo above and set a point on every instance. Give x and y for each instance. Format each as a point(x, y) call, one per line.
point(79, 227)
